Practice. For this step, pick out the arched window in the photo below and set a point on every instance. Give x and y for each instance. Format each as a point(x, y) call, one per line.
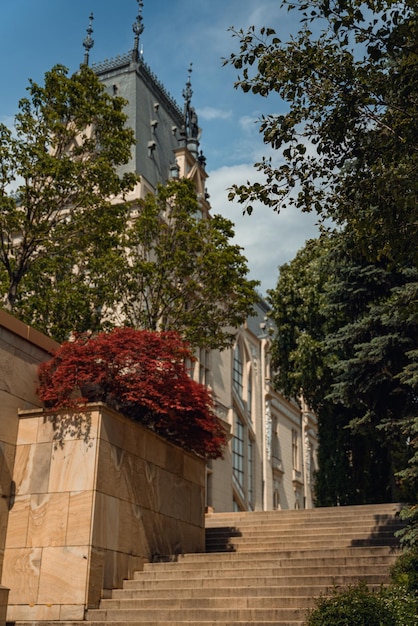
point(249, 395)
point(237, 370)
point(238, 455)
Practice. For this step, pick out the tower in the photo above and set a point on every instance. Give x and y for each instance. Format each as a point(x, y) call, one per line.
point(167, 136)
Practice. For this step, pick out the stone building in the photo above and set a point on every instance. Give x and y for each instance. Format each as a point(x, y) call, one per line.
point(270, 460)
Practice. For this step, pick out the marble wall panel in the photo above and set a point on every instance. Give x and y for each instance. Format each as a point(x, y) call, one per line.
point(63, 576)
point(107, 518)
point(48, 518)
point(192, 470)
point(155, 450)
point(73, 466)
point(67, 427)
point(7, 457)
point(174, 460)
point(32, 613)
point(135, 477)
point(135, 441)
point(28, 431)
point(109, 470)
point(80, 514)
point(18, 523)
point(4, 594)
point(96, 576)
point(18, 372)
point(197, 507)
point(113, 429)
point(21, 569)
point(8, 417)
point(71, 613)
point(32, 467)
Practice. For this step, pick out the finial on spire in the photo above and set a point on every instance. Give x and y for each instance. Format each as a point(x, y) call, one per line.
point(187, 91)
point(138, 29)
point(88, 42)
point(191, 127)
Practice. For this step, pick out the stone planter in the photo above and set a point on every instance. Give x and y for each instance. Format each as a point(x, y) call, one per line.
point(95, 499)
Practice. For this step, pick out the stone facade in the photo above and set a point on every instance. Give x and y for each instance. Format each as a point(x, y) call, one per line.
point(91, 507)
point(271, 457)
point(22, 349)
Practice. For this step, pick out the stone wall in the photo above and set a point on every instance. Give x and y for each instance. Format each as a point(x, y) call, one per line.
point(22, 349)
point(95, 499)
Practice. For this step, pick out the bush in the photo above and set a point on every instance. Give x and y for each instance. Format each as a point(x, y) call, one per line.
point(353, 606)
point(408, 535)
point(402, 604)
point(405, 570)
point(143, 375)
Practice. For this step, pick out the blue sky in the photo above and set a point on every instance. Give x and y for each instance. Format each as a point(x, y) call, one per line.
point(37, 34)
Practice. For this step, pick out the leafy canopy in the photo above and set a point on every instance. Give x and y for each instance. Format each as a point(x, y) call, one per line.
point(143, 375)
point(345, 147)
point(347, 143)
point(59, 171)
point(182, 272)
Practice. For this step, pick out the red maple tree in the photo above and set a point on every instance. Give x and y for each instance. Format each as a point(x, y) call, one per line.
point(143, 375)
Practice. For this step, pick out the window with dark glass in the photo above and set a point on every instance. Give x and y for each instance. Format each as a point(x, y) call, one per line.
point(237, 371)
point(238, 454)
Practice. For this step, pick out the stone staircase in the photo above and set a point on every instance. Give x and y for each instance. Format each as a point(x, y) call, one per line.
point(260, 568)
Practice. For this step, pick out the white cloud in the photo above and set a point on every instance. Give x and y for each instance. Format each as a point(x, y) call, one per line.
point(211, 113)
point(269, 239)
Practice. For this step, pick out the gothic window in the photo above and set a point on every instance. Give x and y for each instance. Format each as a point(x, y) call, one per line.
point(250, 475)
point(295, 451)
point(275, 446)
point(238, 455)
point(238, 370)
point(204, 366)
point(249, 395)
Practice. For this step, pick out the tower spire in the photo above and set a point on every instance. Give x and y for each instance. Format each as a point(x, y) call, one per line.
point(190, 130)
point(88, 42)
point(187, 94)
point(138, 29)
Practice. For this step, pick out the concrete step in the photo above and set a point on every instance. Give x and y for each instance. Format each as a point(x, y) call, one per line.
point(260, 569)
point(251, 561)
point(326, 544)
point(226, 593)
point(358, 510)
point(253, 580)
point(195, 622)
point(193, 615)
point(308, 529)
point(288, 571)
point(285, 553)
point(234, 602)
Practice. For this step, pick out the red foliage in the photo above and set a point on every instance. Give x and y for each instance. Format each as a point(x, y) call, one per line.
point(143, 375)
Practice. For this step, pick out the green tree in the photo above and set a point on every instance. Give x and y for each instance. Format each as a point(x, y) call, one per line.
point(182, 272)
point(344, 343)
point(59, 170)
point(347, 144)
point(346, 148)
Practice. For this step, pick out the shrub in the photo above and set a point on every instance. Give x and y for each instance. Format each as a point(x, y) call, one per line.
point(353, 606)
point(402, 604)
point(408, 535)
point(143, 375)
point(405, 570)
